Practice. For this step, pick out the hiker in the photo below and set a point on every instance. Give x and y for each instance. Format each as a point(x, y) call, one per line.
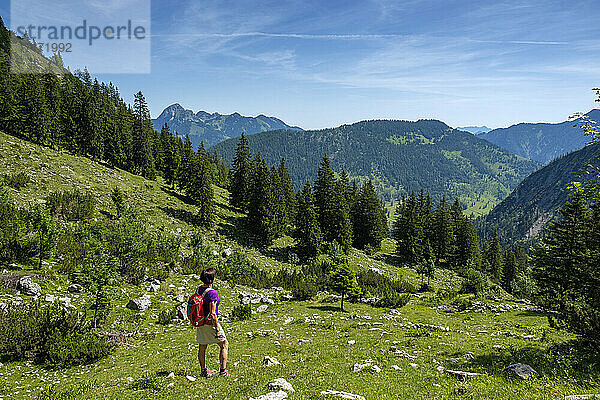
point(212, 331)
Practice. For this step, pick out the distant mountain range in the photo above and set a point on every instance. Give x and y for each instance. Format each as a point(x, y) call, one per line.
point(523, 214)
point(212, 128)
point(475, 130)
point(541, 142)
point(400, 157)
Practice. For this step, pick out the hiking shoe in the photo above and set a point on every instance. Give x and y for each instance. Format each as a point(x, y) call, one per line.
point(224, 373)
point(207, 373)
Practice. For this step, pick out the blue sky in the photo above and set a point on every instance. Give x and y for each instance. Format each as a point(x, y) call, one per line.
point(324, 63)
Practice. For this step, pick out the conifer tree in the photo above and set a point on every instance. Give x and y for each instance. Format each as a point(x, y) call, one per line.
point(242, 175)
point(369, 222)
point(343, 281)
point(442, 233)
point(310, 239)
point(287, 189)
point(261, 216)
point(185, 165)
point(493, 258)
point(143, 159)
point(340, 224)
point(324, 195)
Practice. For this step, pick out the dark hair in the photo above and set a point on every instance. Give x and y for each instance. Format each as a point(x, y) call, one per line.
point(208, 276)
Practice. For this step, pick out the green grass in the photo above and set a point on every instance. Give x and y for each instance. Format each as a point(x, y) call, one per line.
point(148, 352)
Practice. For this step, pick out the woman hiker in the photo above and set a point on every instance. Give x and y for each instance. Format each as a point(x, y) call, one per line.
point(213, 331)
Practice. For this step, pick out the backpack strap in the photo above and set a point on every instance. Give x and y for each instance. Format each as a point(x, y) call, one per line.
point(208, 289)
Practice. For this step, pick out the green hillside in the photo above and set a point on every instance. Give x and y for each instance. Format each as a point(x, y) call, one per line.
point(414, 350)
point(523, 215)
point(400, 156)
point(541, 142)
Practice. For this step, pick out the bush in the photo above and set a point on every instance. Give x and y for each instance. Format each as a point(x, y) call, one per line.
point(475, 282)
point(393, 299)
point(49, 335)
point(303, 289)
point(243, 272)
point(17, 242)
point(17, 180)
point(241, 312)
point(147, 382)
point(166, 316)
point(74, 348)
point(201, 257)
point(71, 206)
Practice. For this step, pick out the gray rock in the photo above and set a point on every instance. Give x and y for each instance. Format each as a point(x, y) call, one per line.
point(270, 361)
point(66, 301)
point(469, 356)
point(140, 303)
point(281, 384)
point(266, 300)
point(227, 252)
point(262, 308)
point(376, 271)
point(358, 367)
point(287, 297)
point(28, 287)
point(154, 287)
point(74, 288)
point(520, 371)
point(452, 360)
point(342, 395)
point(49, 298)
point(281, 395)
point(182, 311)
point(583, 397)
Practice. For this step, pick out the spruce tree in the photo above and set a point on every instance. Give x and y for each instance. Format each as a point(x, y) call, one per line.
point(369, 222)
point(324, 196)
point(242, 175)
point(442, 233)
point(261, 207)
point(340, 224)
point(287, 189)
point(493, 258)
point(343, 281)
point(143, 159)
point(310, 238)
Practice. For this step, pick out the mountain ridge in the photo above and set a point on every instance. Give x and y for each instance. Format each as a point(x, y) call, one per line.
point(212, 128)
point(541, 142)
point(400, 157)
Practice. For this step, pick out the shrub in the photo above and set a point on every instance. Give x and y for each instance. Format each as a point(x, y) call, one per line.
point(17, 180)
point(166, 316)
point(303, 289)
point(17, 242)
point(243, 272)
point(392, 299)
point(475, 282)
point(71, 205)
point(74, 348)
point(49, 335)
point(241, 312)
point(201, 257)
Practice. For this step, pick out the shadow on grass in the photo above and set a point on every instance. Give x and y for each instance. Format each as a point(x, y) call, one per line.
point(579, 360)
point(326, 308)
point(185, 199)
point(235, 229)
point(182, 215)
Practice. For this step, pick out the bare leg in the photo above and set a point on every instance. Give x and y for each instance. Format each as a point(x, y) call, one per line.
point(223, 354)
point(202, 355)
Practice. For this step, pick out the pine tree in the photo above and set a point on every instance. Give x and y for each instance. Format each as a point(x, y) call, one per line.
point(261, 210)
point(493, 258)
point(409, 231)
point(287, 188)
point(242, 175)
point(200, 189)
point(340, 224)
point(563, 251)
point(324, 196)
point(143, 159)
point(442, 233)
point(369, 222)
point(343, 281)
point(310, 239)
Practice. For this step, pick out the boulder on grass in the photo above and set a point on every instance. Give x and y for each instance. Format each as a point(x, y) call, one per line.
point(28, 287)
point(140, 304)
point(520, 371)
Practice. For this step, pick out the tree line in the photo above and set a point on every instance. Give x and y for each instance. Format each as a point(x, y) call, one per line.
point(333, 209)
point(76, 113)
point(442, 236)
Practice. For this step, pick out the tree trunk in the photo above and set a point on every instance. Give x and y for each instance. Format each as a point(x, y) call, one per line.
point(342, 305)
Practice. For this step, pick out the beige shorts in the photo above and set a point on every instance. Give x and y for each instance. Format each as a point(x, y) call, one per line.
point(206, 335)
